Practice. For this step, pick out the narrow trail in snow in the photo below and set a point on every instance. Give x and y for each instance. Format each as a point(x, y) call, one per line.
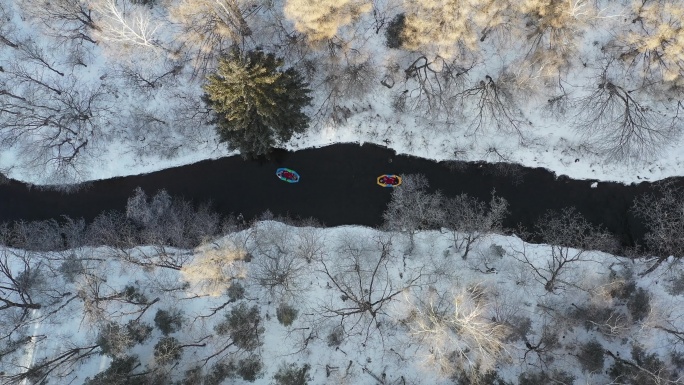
point(30, 356)
point(338, 187)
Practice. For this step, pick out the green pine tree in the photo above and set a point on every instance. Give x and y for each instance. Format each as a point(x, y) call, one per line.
point(257, 105)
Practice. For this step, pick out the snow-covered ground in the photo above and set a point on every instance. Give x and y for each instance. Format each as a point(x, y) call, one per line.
point(436, 313)
point(139, 128)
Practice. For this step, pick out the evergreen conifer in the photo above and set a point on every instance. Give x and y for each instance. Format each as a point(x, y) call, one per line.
point(257, 105)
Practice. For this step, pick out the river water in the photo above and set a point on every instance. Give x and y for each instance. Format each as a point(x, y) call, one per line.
point(337, 187)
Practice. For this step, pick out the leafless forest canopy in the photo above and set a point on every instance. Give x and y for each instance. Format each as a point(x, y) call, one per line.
point(197, 295)
point(79, 76)
point(169, 293)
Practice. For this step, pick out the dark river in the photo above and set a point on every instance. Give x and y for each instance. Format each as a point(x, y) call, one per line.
point(337, 187)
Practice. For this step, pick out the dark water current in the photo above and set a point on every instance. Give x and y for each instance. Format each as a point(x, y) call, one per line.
point(337, 187)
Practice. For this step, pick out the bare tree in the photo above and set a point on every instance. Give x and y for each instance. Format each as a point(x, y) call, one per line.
point(65, 19)
point(185, 121)
point(667, 320)
point(31, 292)
point(449, 28)
point(168, 226)
point(56, 366)
point(456, 330)
point(104, 301)
point(491, 104)
point(53, 123)
point(352, 78)
point(364, 279)
point(211, 27)
point(553, 30)
point(23, 75)
point(112, 229)
point(559, 102)
point(653, 43)
point(215, 267)
point(115, 340)
point(432, 85)
point(21, 278)
point(413, 208)
point(321, 19)
point(125, 370)
point(570, 238)
point(32, 51)
point(173, 222)
point(30, 288)
point(310, 242)
point(7, 28)
point(126, 24)
point(277, 267)
point(643, 368)
point(242, 331)
point(162, 222)
point(341, 79)
point(543, 346)
point(169, 350)
point(663, 213)
point(146, 78)
point(469, 219)
point(495, 18)
point(33, 236)
point(614, 120)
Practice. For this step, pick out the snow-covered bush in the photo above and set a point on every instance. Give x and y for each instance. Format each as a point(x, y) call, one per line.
point(286, 314)
point(456, 330)
point(590, 356)
point(292, 374)
point(213, 269)
point(168, 321)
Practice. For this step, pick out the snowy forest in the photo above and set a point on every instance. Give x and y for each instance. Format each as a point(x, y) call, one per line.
point(589, 88)
point(170, 292)
point(166, 293)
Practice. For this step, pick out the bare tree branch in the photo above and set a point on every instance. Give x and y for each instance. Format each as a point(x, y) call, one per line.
point(365, 284)
point(618, 124)
point(570, 237)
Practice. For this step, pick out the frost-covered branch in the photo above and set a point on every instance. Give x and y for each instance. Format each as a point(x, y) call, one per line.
point(118, 24)
point(613, 119)
point(456, 330)
point(570, 237)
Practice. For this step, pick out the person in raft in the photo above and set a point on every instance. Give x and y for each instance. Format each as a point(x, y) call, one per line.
point(288, 175)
